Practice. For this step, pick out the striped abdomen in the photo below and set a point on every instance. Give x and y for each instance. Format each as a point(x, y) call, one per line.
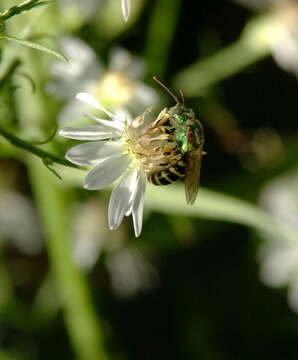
point(168, 176)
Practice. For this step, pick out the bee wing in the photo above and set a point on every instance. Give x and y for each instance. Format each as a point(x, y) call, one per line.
point(192, 174)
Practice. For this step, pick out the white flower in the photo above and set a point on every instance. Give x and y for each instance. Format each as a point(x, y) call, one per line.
point(115, 86)
point(279, 255)
point(112, 158)
point(281, 33)
point(19, 222)
point(131, 272)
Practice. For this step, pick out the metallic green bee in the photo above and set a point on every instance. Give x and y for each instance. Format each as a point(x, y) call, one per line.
point(188, 136)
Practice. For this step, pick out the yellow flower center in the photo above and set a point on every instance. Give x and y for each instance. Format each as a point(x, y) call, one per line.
point(115, 88)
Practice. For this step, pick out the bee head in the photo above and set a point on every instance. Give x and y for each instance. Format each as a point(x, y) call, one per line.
point(188, 130)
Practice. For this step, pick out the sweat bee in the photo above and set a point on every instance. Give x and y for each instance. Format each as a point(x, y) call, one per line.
point(188, 135)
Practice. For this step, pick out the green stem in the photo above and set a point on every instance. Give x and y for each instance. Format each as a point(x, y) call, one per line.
point(80, 317)
point(35, 150)
point(160, 35)
point(17, 9)
point(251, 47)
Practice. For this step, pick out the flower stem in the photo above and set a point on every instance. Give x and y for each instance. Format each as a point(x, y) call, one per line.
point(248, 49)
point(34, 149)
point(79, 313)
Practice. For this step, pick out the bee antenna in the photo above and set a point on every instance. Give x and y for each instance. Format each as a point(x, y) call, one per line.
point(182, 96)
point(166, 89)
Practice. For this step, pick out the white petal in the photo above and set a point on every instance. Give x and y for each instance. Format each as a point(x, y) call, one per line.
point(126, 9)
point(138, 203)
point(106, 172)
point(121, 198)
point(90, 99)
point(93, 152)
point(123, 115)
point(88, 132)
point(116, 124)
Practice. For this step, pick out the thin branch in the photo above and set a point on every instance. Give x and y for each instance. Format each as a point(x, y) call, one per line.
point(44, 155)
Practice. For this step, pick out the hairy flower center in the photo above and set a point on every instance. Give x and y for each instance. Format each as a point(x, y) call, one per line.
point(152, 146)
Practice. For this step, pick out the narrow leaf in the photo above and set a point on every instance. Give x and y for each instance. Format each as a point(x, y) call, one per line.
point(33, 45)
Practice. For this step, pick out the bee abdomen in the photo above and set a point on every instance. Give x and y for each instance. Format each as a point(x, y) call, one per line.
point(168, 176)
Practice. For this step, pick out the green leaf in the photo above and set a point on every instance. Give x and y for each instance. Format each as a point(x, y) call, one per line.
point(33, 45)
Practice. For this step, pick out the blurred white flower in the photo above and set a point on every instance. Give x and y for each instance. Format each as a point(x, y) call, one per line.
point(279, 256)
point(115, 86)
point(89, 233)
point(130, 272)
point(281, 33)
point(19, 222)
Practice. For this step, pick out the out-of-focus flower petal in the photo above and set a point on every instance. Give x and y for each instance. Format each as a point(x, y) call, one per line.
point(285, 52)
point(78, 72)
point(131, 272)
point(122, 61)
point(125, 9)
